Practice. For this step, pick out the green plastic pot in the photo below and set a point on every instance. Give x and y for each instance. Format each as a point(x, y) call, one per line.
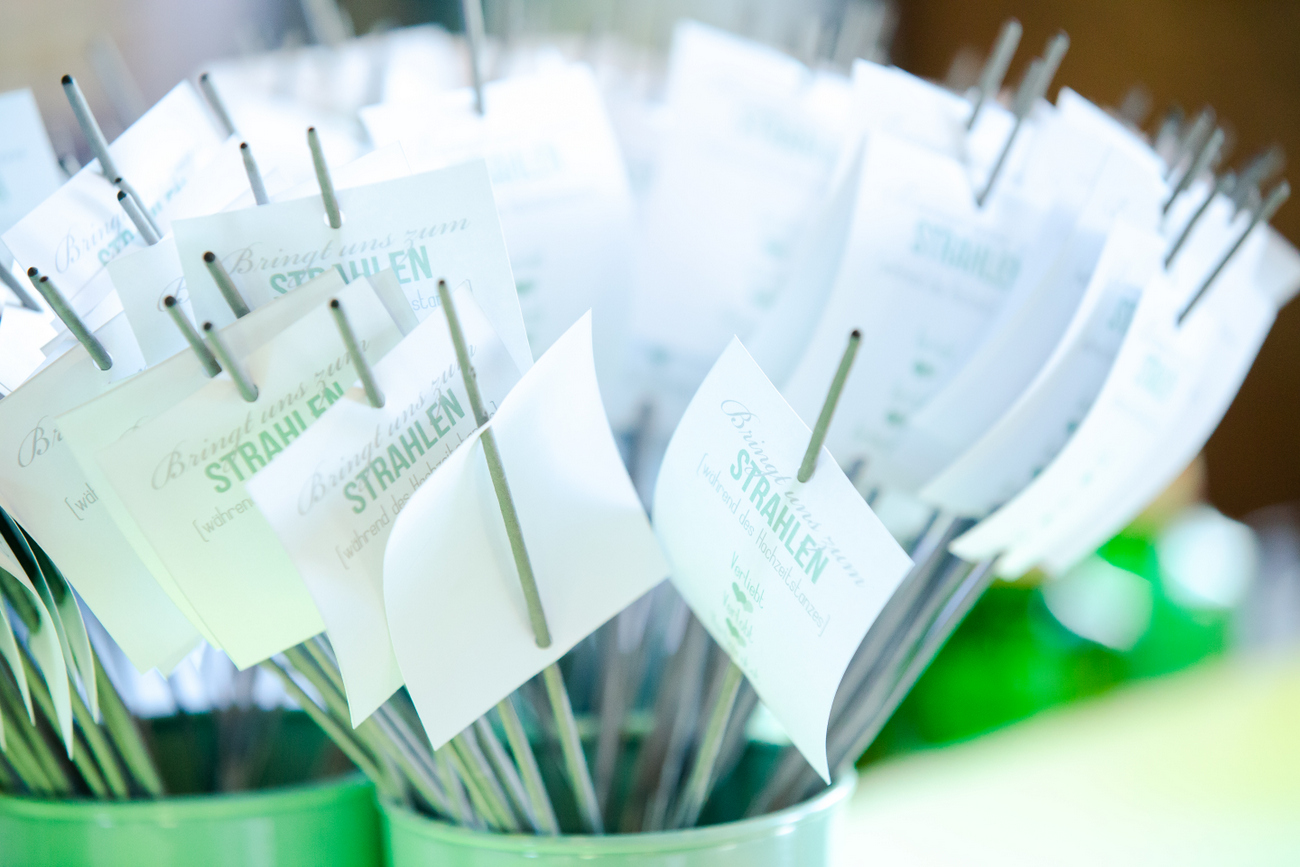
point(315, 824)
point(289, 820)
point(795, 837)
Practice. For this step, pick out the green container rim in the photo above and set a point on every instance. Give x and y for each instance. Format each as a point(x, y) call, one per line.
point(397, 816)
point(186, 808)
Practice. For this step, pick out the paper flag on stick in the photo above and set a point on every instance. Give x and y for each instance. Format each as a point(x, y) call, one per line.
point(786, 576)
point(444, 221)
point(46, 491)
point(72, 234)
point(456, 612)
point(334, 496)
point(181, 475)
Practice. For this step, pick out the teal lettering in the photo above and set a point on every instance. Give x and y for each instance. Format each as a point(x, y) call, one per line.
point(395, 260)
point(419, 428)
point(361, 477)
point(436, 420)
point(742, 458)
point(349, 491)
point(805, 547)
point(783, 523)
point(419, 262)
point(222, 481)
point(769, 511)
point(248, 452)
point(817, 565)
point(381, 470)
point(399, 463)
point(789, 537)
point(412, 446)
point(269, 445)
point(229, 458)
point(447, 400)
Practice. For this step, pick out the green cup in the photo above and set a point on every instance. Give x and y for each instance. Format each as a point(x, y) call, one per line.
point(795, 837)
point(290, 818)
point(310, 825)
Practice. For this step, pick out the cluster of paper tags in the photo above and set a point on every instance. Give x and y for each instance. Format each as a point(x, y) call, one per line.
point(1021, 364)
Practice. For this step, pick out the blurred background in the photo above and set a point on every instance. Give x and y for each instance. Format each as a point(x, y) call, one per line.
point(1207, 577)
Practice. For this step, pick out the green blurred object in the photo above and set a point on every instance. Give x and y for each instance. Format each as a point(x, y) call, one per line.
point(302, 820)
point(1011, 658)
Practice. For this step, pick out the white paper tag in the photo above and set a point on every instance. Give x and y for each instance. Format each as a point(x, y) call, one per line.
point(751, 142)
point(143, 278)
point(1085, 115)
point(456, 611)
point(29, 171)
point(181, 476)
point(101, 422)
point(334, 495)
point(1012, 357)
point(431, 226)
point(1158, 370)
point(560, 187)
point(888, 99)
point(73, 234)
point(46, 491)
point(925, 275)
point(1232, 320)
point(1033, 430)
point(1107, 184)
point(786, 576)
point(781, 337)
point(22, 333)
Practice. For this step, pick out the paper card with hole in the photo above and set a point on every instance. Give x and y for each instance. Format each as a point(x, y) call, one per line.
point(99, 423)
point(751, 141)
point(926, 114)
point(75, 232)
point(562, 191)
point(1004, 459)
point(29, 171)
point(22, 333)
point(1237, 342)
point(1013, 355)
point(334, 496)
point(1226, 330)
point(426, 227)
point(925, 275)
point(456, 610)
point(143, 278)
point(181, 476)
point(42, 637)
point(786, 576)
point(1155, 374)
point(1105, 184)
point(45, 490)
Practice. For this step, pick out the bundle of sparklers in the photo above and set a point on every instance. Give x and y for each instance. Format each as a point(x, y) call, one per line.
point(360, 366)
